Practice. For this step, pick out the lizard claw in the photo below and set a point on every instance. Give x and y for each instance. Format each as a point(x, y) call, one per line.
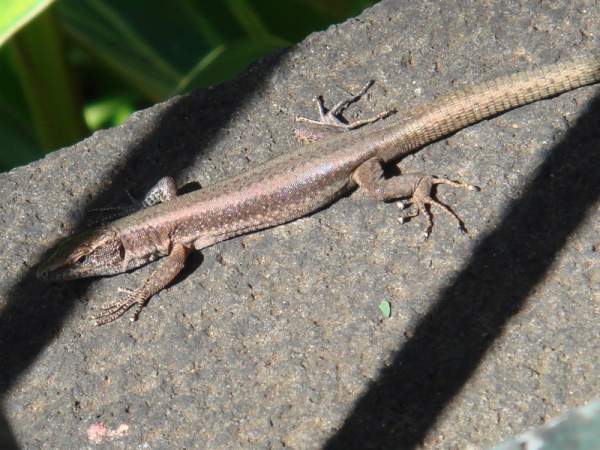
point(115, 310)
point(422, 199)
point(401, 204)
point(137, 312)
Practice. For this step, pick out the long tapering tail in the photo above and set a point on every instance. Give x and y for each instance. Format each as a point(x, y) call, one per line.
point(457, 110)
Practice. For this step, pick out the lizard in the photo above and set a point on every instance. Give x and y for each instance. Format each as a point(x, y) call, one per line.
point(297, 183)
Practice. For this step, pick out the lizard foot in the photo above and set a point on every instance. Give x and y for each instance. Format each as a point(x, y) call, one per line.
point(113, 311)
point(415, 187)
point(331, 121)
point(423, 200)
point(164, 274)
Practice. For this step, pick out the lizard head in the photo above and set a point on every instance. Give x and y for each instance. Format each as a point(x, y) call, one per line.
point(91, 253)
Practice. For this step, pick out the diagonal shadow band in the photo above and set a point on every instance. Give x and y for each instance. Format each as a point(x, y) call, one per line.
point(32, 317)
point(7, 440)
point(403, 404)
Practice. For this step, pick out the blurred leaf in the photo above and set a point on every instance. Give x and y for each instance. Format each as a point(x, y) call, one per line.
point(153, 47)
point(129, 54)
point(199, 70)
point(292, 20)
point(232, 59)
point(108, 112)
point(12, 99)
point(18, 146)
point(38, 59)
point(212, 35)
point(386, 308)
point(18, 13)
point(162, 51)
point(253, 25)
point(17, 136)
point(101, 28)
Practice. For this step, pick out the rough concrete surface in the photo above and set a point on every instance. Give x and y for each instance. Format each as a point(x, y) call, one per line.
point(275, 339)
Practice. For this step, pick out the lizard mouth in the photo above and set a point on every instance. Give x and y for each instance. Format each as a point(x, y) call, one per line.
point(46, 273)
point(42, 274)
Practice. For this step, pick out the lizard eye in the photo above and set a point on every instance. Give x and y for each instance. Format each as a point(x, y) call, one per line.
point(81, 259)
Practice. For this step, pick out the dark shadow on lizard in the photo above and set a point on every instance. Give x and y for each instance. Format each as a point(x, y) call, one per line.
point(35, 311)
point(406, 400)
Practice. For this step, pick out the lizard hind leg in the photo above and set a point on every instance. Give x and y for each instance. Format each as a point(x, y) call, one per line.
point(414, 186)
point(331, 121)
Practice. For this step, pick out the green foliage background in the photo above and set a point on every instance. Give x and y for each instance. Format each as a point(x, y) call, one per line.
point(69, 67)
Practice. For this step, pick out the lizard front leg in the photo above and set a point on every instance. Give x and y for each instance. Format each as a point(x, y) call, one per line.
point(163, 191)
point(415, 186)
point(166, 272)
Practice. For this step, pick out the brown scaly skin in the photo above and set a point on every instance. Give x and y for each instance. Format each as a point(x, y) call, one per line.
point(302, 181)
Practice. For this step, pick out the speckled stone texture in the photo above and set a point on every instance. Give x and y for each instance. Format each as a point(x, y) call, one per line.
point(275, 339)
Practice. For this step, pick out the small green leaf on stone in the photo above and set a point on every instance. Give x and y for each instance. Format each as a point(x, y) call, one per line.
point(386, 309)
